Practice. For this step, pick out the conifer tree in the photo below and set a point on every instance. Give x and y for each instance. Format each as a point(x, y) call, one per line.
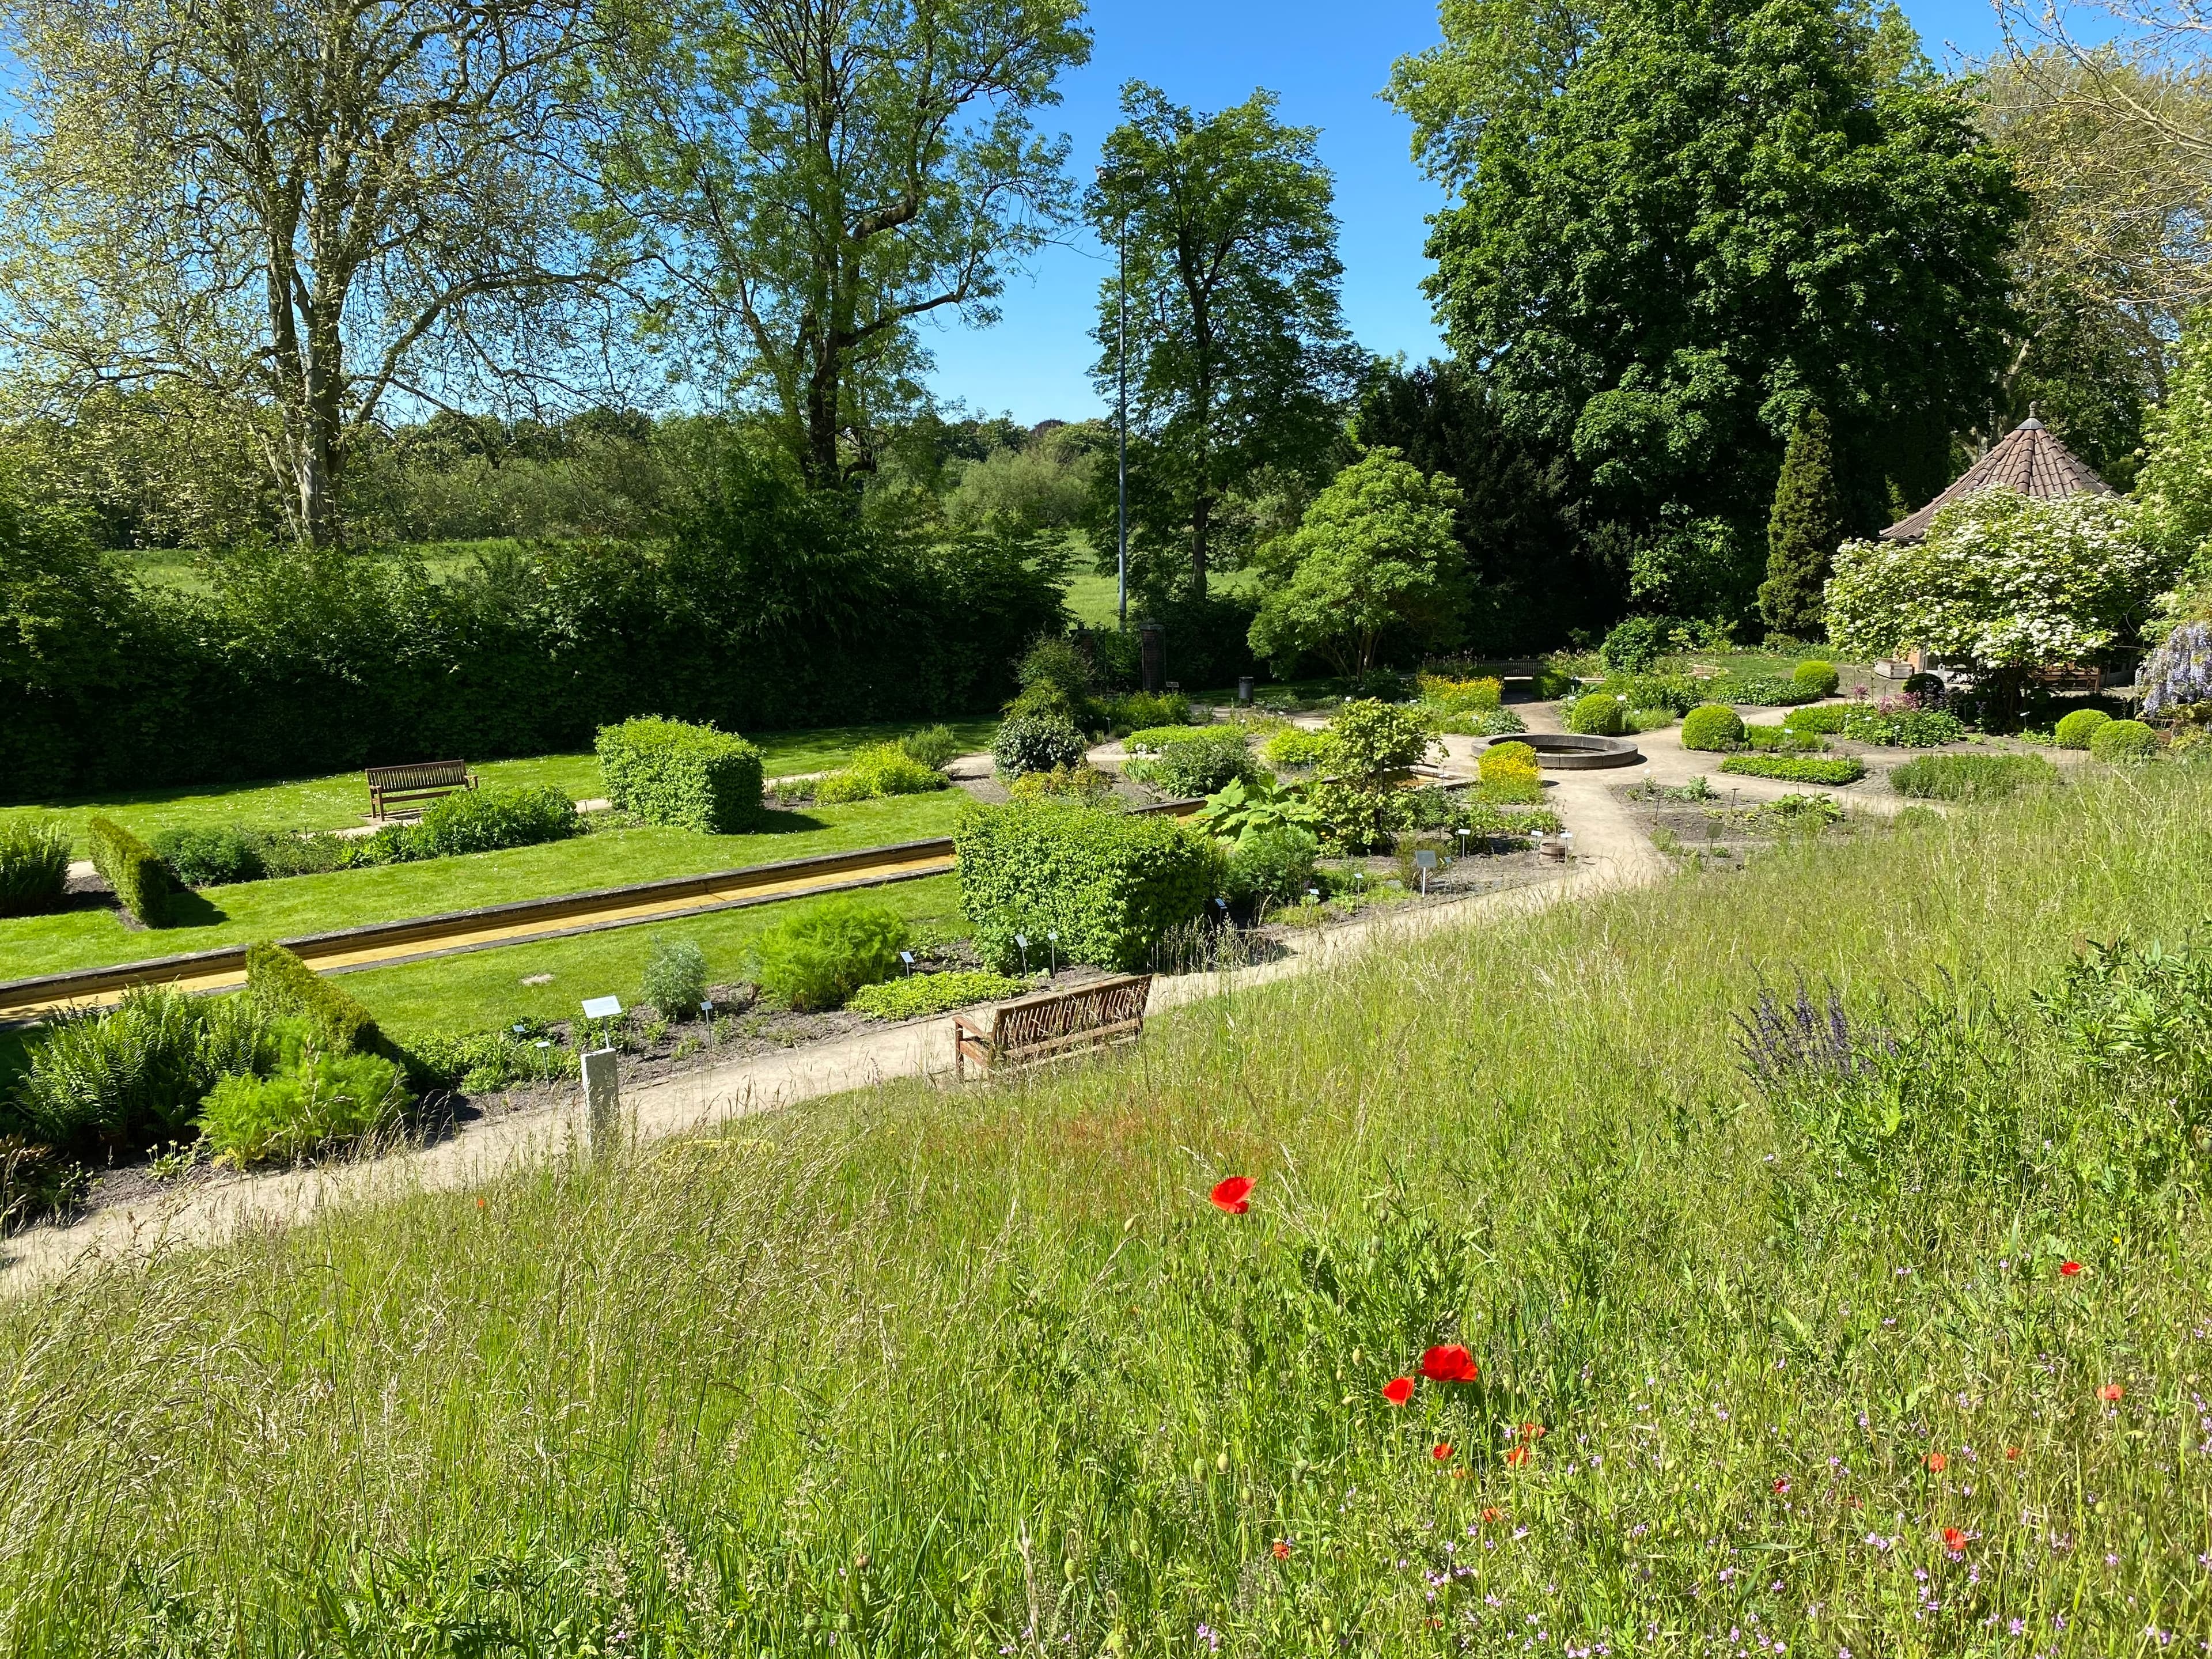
point(1801, 531)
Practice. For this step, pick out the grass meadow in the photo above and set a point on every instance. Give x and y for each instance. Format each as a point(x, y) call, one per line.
point(1903, 1350)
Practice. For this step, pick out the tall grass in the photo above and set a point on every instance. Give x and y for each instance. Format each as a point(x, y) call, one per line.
point(983, 1372)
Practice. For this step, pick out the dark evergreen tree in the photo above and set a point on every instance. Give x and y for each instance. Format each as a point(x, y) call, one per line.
point(1802, 531)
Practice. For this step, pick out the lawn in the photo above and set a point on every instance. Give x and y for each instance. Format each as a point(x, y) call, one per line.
point(340, 801)
point(1900, 1353)
point(484, 990)
point(350, 898)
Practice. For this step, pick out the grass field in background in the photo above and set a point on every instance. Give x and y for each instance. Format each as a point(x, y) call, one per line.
point(341, 801)
point(482, 990)
point(981, 1371)
point(299, 905)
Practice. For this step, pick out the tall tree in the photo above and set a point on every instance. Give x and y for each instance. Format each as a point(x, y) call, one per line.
point(1239, 361)
point(804, 181)
point(306, 207)
point(1801, 531)
point(1680, 222)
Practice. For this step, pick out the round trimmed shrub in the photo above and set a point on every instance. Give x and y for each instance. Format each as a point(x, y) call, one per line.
point(2116, 742)
point(1036, 743)
point(1712, 726)
point(1819, 678)
point(1600, 715)
point(2078, 728)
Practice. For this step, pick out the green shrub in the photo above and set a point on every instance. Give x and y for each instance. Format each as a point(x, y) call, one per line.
point(2075, 730)
point(1759, 690)
point(1450, 697)
point(1792, 768)
point(145, 887)
point(483, 1062)
point(1786, 740)
point(1598, 714)
point(318, 1101)
point(284, 985)
point(1085, 783)
point(35, 861)
point(676, 978)
point(881, 769)
point(1189, 760)
point(919, 996)
point(2120, 741)
point(1635, 644)
point(135, 1074)
point(1969, 777)
point(1486, 822)
point(662, 771)
point(487, 820)
point(1111, 883)
point(817, 958)
point(1904, 728)
point(1296, 748)
point(1270, 867)
point(1056, 679)
point(1246, 806)
point(1675, 693)
point(1138, 710)
point(1036, 743)
point(211, 855)
point(1372, 740)
point(1817, 678)
point(1827, 719)
point(1550, 682)
point(1712, 726)
point(935, 746)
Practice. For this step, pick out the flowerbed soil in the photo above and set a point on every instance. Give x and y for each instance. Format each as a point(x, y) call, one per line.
point(1719, 835)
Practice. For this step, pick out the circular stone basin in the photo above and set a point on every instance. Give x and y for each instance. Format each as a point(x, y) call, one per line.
point(1562, 752)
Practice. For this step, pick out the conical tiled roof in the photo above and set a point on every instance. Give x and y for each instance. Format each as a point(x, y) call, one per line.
point(2029, 459)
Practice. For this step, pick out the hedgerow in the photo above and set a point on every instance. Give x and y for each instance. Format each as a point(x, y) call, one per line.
point(145, 887)
point(282, 984)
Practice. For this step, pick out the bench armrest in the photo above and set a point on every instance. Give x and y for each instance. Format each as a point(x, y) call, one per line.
point(961, 1023)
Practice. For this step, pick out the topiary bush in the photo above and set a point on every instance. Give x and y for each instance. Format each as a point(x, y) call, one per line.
point(319, 1100)
point(1712, 726)
point(35, 861)
point(919, 996)
point(2119, 742)
point(145, 887)
point(285, 986)
point(1797, 769)
point(673, 772)
point(1111, 883)
point(1759, 690)
point(1819, 678)
point(1970, 777)
point(817, 958)
point(1598, 714)
point(1190, 760)
point(880, 771)
point(1036, 743)
point(2075, 730)
point(675, 978)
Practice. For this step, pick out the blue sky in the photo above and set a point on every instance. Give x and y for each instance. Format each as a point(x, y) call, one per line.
point(1327, 61)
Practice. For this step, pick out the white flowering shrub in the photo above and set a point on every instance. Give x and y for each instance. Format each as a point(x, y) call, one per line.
point(2000, 579)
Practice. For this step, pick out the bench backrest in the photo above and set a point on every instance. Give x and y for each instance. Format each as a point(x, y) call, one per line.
point(1030, 1020)
point(428, 774)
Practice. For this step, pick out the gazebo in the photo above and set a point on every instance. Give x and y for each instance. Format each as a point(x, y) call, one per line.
point(2029, 461)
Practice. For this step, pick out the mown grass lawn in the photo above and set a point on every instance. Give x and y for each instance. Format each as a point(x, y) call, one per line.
point(1904, 1352)
point(483, 990)
point(299, 905)
point(341, 800)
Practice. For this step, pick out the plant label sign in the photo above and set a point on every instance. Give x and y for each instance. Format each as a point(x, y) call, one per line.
point(602, 1008)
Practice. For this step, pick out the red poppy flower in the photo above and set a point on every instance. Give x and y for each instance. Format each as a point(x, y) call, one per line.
point(1517, 1457)
point(1781, 1485)
point(1441, 1451)
point(1532, 1432)
point(1936, 1462)
point(1493, 1515)
point(1233, 1196)
point(2012, 1453)
point(2111, 1392)
point(1450, 1363)
point(2069, 1268)
point(1398, 1390)
point(1954, 1539)
point(1279, 1550)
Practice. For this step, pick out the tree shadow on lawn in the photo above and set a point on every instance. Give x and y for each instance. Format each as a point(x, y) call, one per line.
point(782, 821)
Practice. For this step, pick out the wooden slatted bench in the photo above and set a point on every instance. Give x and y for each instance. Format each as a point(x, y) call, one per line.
point(422, 783)
point(1053, 1022)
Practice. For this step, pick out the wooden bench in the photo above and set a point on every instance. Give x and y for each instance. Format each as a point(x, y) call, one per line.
point(1052, 1023)
point(422, 783)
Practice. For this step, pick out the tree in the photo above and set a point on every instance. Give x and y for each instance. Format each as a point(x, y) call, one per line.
point(1237, 353)
point(306, 207)
point(2002, 580)
point(1679, 225)
point(804, 181)
point(1801, 531)
point(1375, 555)
point(2175, 486)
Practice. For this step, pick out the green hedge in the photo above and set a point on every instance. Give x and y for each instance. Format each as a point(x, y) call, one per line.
point(282, 984)
point(1792, 768)
point(145, 885)
point(1111, 883)
point(663, 771)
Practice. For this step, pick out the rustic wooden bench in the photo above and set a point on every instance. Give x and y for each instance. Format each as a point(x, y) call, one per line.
point(429, 781)
point(1053, 1022)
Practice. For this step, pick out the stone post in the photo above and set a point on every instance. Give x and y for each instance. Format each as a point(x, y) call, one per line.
point(602, 1102)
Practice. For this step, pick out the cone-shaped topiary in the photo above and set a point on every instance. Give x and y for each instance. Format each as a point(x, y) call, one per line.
point(1712, 725)
point(1801, 531)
